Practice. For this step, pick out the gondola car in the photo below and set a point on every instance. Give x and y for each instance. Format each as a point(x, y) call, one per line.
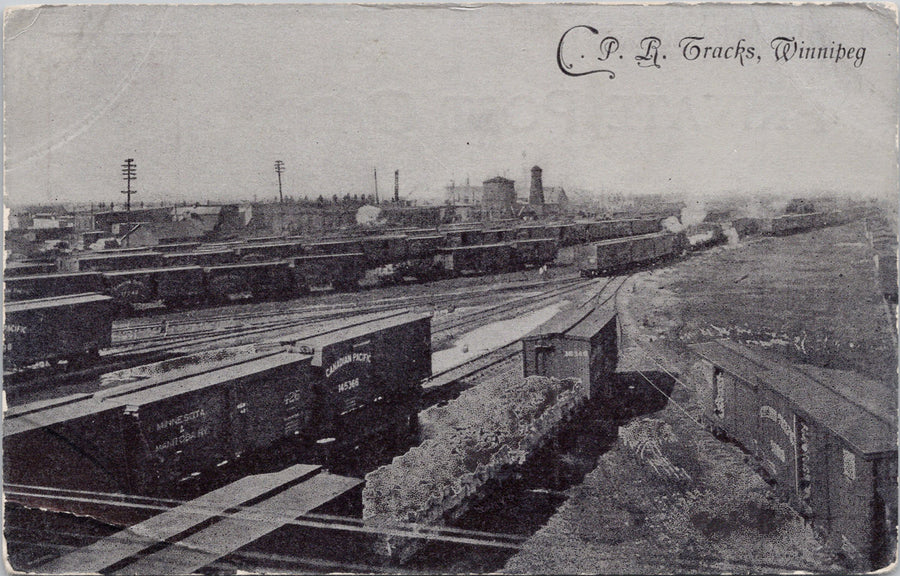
point(71, 328)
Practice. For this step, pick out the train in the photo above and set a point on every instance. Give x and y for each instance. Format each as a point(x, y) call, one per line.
point(154, 429)
point(610, 256)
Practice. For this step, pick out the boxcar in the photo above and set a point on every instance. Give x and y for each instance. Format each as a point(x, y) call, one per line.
point(49, 285)
point(621, 253)
point(180, 247)
point(28, 269)
point(381, 250)
point(332, 247)
point(535, 252)
point(341, 271)
point(257, 281)
point(200, 258)
point(826, 438)
point(173, 286)
point(119, 261)
point(476, 259)
point(73, 327)
point(358, 367)
point(422, 246)
point(268, 251)
point(183, 425)
point(464, 237)
point(580, 343)
point(645, 226)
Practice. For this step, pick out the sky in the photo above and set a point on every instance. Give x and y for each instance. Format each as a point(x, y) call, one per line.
point(207, 98)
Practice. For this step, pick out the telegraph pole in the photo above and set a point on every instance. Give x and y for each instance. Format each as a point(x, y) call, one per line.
point(376, 184)
point(279, 169)
point(129, 174)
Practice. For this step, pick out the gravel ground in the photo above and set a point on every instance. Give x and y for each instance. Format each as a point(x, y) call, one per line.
point(669, 497)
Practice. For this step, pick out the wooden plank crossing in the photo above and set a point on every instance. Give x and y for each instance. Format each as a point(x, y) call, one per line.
point(169, 524)
point(242, 528)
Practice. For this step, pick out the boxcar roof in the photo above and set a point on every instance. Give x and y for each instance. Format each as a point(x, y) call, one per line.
point(475, 247)
point(117, 255)
point(317, 344)
point(861, 411)
point(158, 387)
point(51, 275)
point(631, 238)
point(271, 264)
point(68, 300)
point(583, 322)
point(135, 271)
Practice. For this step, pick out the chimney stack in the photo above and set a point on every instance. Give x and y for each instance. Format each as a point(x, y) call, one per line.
point(396, 185)
point(536, 197)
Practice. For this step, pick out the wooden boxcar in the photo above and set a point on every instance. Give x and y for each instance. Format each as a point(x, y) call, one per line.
point(622, 253)
point(340, 271)
point(580, 343)
point(101, 262)
point(826, 438)
point(482, 259)
point(381, 250)
point(250, 281)
point(49, 285)
point(73, 327)
point(180, 426)
point(173, 286)
point(535, 252)
point(200, 258)
point(28, 269)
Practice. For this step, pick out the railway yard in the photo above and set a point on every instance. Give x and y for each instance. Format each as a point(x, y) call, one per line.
point(518, 411)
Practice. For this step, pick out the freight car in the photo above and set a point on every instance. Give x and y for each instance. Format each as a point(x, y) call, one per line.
point(340, 271)
point(200, 258)
point(610, 256)
point(70, 328)
point(827, 439)
point(580, 343)
point(483, 259)
point(268, 251)
point(795, 223)
point(537, 252)
point(182, 426)
point(250, 281)
point(118, 261)
point(49, 285)
point(171, 287)
point(28, 268)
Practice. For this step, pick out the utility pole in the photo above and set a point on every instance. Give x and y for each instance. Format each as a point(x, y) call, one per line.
point(279, 169)
point(129, 174)
point(376, 184)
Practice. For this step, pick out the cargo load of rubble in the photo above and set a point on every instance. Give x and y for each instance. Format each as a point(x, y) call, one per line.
point(478, 437)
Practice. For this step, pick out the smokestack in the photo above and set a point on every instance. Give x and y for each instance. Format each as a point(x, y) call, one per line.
point(396, 185)
point(536, 197)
